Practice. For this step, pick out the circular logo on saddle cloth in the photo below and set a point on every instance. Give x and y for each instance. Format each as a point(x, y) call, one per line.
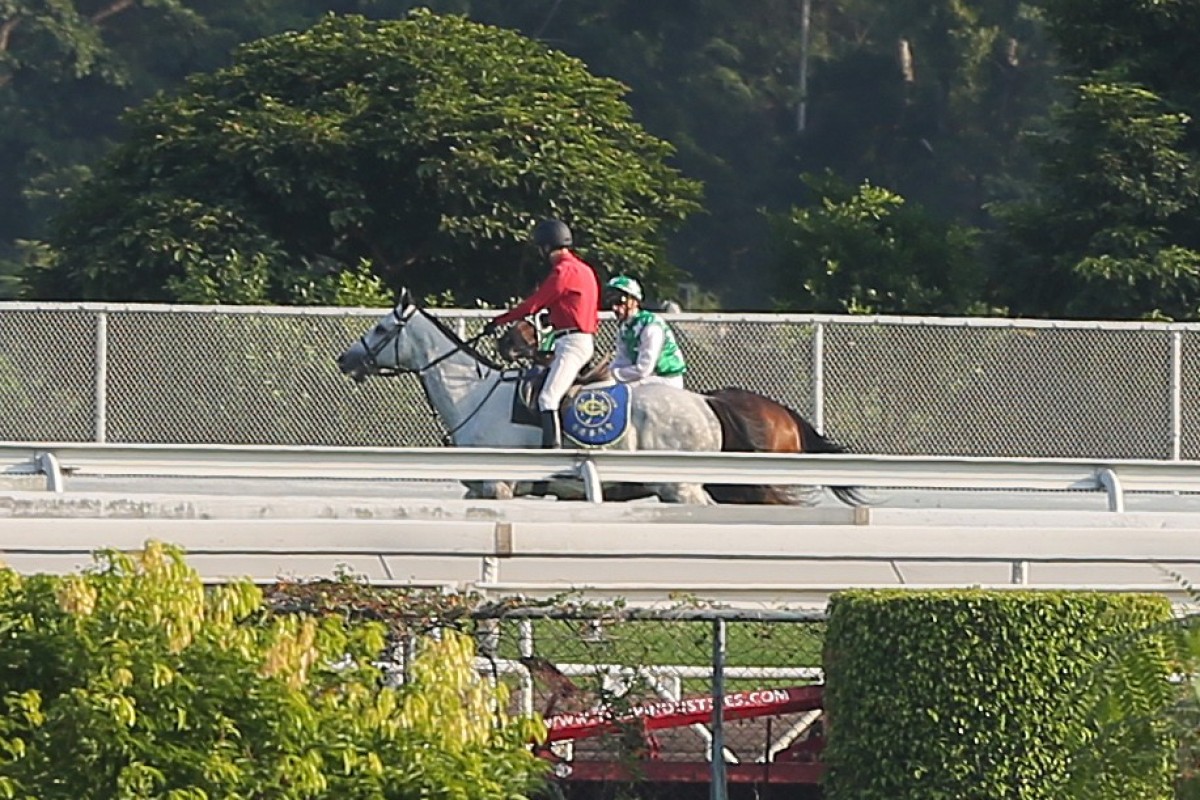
point(594, 409)
point(598, 416)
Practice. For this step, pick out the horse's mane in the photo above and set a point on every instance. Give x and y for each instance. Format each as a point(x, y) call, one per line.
point(461, 344)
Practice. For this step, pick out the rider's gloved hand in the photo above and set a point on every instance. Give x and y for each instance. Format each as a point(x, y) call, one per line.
point(491, 327)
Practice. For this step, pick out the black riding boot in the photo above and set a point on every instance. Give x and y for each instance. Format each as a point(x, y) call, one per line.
point(551, 433)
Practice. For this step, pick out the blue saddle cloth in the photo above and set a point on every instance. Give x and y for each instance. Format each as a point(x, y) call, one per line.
point(597, 416)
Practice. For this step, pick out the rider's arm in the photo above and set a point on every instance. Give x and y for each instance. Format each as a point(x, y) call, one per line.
point(621, 358)
point(650, 345)
point(543, 297)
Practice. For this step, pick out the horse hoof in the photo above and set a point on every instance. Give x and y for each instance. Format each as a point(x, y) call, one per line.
point(488, 490)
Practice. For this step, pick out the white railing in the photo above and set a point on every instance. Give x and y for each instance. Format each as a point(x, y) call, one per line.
point(536, 553)
point(57, 461)
point(645, 553)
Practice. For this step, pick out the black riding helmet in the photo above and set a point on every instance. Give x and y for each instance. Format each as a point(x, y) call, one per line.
point(551, 234)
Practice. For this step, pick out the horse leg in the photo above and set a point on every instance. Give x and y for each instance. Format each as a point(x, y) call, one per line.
point(690, 493)
point(747, 494)
point(622, 492)
point(488, 490)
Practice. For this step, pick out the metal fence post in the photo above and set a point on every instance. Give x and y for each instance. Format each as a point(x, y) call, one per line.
point(1112, 485)
point(100, 377)
point(1176, 395)
point(593, 489)
point(718, 790)
point(818, 377)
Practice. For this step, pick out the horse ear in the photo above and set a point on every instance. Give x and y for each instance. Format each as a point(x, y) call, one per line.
point(406, 298)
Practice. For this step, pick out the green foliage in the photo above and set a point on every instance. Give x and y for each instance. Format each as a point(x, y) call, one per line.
point(952, 694)
point(928, 97)
point(1110, 231)
point(423, 148)
point(720, 79)
point(132, 681)
point(67, 71)
point(868, 251)
point(1128, 704)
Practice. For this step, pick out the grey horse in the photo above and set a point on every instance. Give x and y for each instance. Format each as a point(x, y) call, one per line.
point(474, 399)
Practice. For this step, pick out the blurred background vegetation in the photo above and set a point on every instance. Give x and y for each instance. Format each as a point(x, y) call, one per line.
point(868, 156)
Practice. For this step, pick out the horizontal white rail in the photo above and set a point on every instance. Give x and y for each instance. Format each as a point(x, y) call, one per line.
point(1147, 538)
point(647, 561)
point(772, 318)
point(1115, 477)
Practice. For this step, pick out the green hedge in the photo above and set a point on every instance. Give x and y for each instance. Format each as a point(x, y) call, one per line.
point(977, 694)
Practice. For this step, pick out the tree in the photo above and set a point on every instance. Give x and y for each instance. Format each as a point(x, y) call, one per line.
point(414, 152)
point(1110, 231)
point(926, 98)
point(132, 681)
point(67, 69)
point(717, 79)
point(867, 251)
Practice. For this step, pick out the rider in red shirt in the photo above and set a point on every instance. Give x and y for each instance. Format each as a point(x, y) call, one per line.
point(571, 292)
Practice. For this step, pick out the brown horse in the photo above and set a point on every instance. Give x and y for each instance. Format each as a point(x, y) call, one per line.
point(750, 423)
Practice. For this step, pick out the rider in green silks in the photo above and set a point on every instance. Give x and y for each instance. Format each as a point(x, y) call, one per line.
point(647, 351)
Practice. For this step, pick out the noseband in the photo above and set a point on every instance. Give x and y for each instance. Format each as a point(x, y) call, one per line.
point(371, 360)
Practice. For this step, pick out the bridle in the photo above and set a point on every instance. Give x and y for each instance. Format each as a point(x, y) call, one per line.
point(392, 339)
point(371, 359)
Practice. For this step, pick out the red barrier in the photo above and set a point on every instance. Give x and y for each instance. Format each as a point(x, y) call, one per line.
point(688, 711)
point(775, 773)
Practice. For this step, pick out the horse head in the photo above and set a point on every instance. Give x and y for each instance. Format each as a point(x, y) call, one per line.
point(384, 349)
point(520, 341)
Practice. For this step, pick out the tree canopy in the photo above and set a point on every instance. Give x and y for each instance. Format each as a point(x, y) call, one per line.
point(328, 164)
point(829, 255)
point(274, 195)
point(67, 69)
point(1110, 230)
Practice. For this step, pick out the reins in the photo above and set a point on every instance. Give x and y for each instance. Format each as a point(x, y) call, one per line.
point(460, 345)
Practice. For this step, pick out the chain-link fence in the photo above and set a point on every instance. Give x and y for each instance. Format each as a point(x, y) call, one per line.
point(626, 694)
point(628, 697)
point(232, 375)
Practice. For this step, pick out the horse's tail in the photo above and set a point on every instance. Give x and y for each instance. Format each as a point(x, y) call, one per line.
point(813, 441)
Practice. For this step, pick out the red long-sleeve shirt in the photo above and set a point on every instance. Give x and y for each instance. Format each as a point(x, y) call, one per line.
point(572, 294)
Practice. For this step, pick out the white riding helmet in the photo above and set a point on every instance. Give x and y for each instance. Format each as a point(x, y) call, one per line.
point(626, 285)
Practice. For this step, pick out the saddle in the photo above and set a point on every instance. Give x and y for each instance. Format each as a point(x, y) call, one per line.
point(531, 381)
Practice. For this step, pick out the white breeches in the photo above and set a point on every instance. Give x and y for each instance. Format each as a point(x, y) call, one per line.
point(571, 353)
